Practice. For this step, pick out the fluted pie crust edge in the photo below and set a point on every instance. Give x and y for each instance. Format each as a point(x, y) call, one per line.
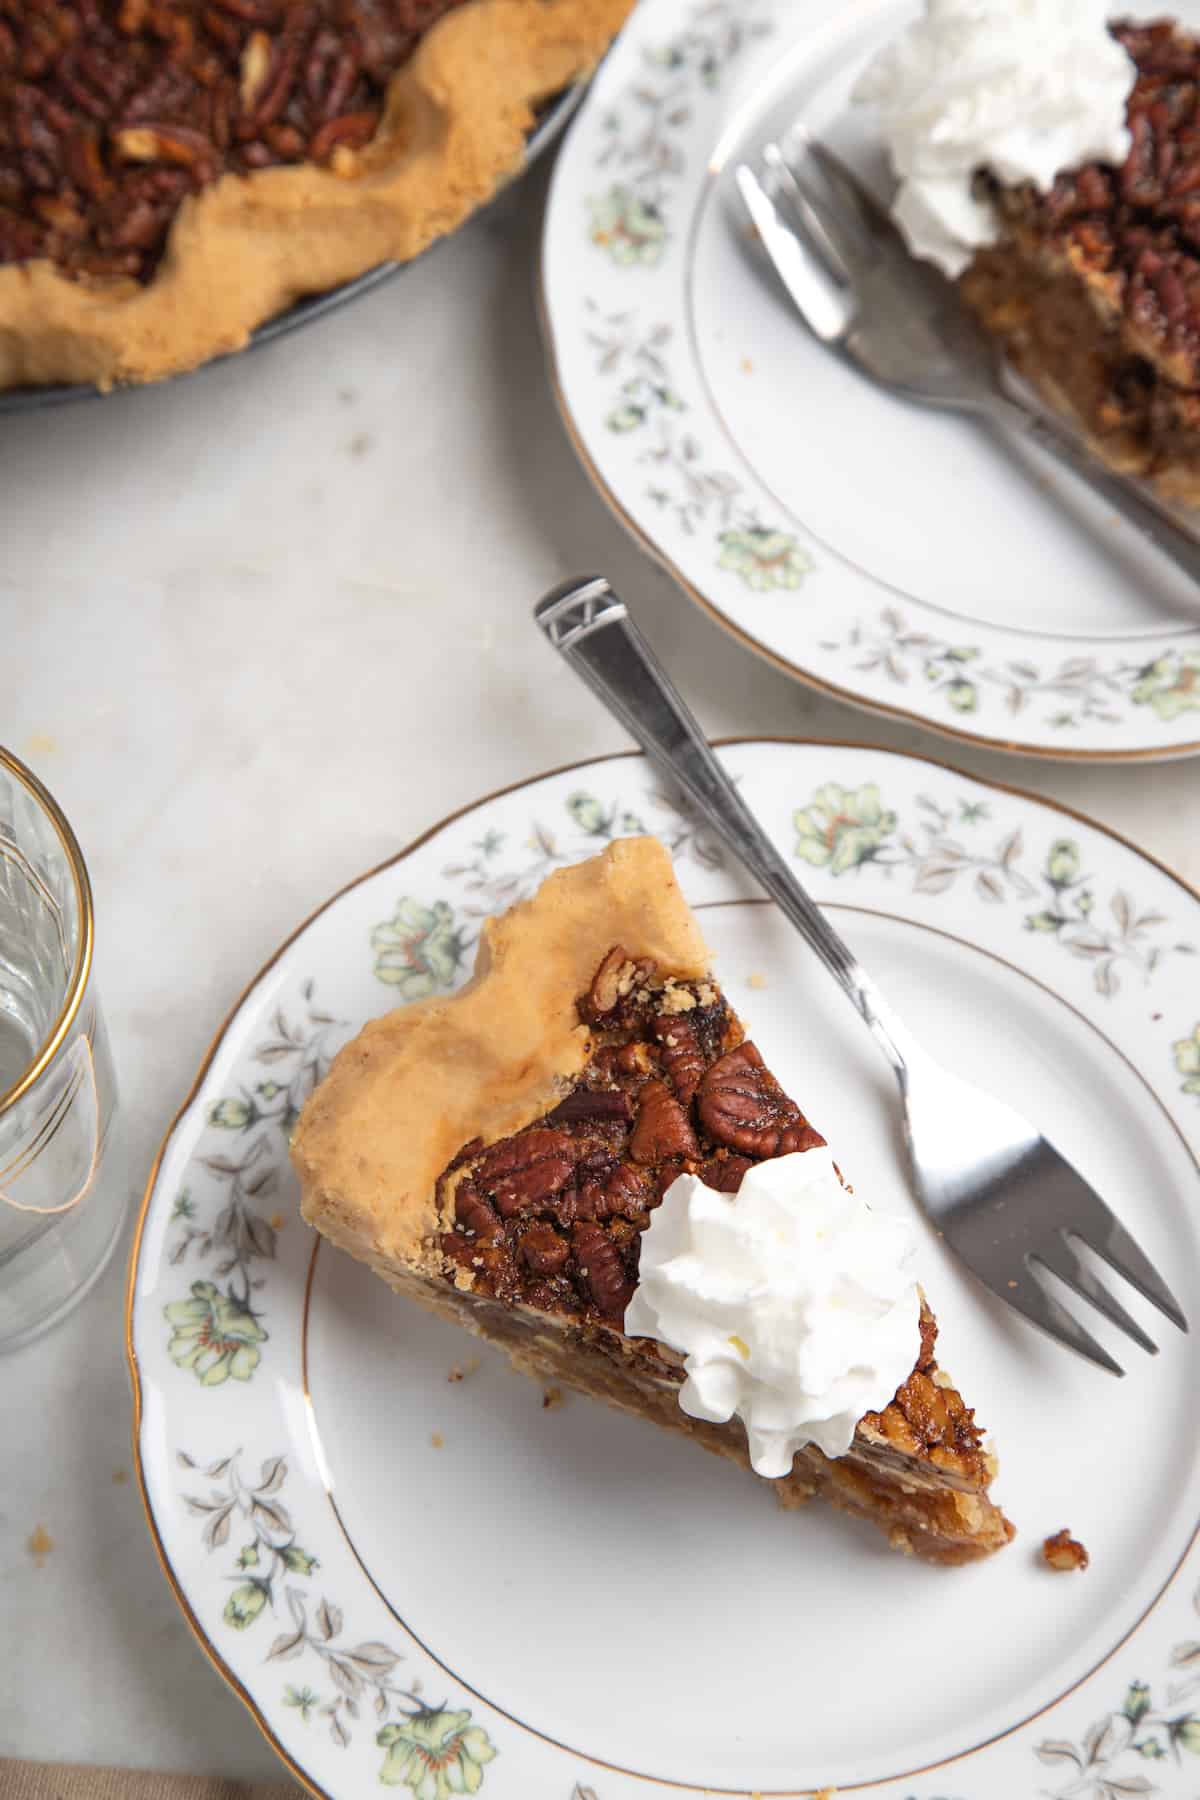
point(403, 1098)
point(454, 128)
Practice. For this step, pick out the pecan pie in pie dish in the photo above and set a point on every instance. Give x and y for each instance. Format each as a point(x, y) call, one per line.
point(1094, 286)
point(499, 1156)
point(175, 172)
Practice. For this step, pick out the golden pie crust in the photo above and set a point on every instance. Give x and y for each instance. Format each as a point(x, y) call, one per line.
point(402, 1099)
point(454, 128)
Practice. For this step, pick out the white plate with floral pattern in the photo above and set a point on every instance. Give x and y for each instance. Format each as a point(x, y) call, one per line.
point(416, 1572)
point(897, 558)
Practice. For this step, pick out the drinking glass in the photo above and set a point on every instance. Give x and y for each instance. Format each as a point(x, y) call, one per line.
point(61, 1200)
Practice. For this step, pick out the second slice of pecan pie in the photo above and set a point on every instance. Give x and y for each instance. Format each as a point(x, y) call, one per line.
point(1094, 288)
point(497, 1156)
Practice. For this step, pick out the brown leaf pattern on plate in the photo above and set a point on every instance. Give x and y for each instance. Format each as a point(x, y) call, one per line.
point(243, 1513)
point(845, 829)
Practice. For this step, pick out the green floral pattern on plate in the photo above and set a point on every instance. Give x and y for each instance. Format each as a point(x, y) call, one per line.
point(839, 829)
point(1170, 685)
point(1104, 1764)
point(217, 1332)
point(629, 228)
point(843, 829)
point(215, 1335)
point(419, 951)
point(629, 222)
point(435, 1754)
point(494, 877)
point(764, 559)
point(697, 490)
point(1080, 689)
point(1187, 1061)
point(278, 1567)
point(297, 1053)
point(432, 1751)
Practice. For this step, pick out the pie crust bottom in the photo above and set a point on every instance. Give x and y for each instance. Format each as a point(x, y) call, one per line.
point(923, 1511)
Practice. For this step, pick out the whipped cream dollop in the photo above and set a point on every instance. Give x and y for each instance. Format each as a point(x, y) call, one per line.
point(1025, 88)
point(789, 1301)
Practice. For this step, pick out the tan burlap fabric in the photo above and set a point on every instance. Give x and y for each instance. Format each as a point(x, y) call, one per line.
point(61, 1781)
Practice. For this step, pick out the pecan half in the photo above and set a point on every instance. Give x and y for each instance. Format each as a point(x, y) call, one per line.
point(605, 991)
point(662, 1129)
point(608, 1106)
point(473, 1214)
point(683, 1057)
point(624, 1193)
point(741, 1105)
point(522, 1173)
point(543, 1250)
point(601, 1267)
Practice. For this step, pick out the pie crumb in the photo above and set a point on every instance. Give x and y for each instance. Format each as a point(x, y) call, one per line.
point(826, 1794)
point(1062, 1551)
point(461, 1372)
point(756, 980)
point(747, 366)
point(40, 1544)
point(437, 1440)
point(277, 1221)
point(552, 1399)
point(120, 1477)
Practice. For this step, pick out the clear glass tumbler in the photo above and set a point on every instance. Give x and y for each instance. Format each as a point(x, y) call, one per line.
point(61, 1203)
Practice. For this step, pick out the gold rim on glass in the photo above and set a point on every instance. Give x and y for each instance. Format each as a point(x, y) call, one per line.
point(78, 978)
point(209, 1649)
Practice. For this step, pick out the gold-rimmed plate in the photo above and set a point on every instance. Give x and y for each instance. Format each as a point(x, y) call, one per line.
point(413, 1572)
point(892, 556)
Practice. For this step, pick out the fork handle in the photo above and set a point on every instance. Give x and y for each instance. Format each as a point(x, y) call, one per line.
point(588, 625)
point(1151, 517)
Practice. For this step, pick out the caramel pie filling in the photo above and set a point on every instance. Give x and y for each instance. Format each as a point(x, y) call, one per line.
point(1095, 286)
point(113, 111)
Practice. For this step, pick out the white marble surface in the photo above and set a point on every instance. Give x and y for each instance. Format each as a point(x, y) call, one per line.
point(259, 629)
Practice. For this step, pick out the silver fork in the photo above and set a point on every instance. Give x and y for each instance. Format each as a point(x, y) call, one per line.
point(898, 319)
point(1002, 1196)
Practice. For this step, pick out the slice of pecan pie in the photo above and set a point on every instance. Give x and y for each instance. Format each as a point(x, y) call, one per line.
point(496, 1156)
point(174, 172)
point(1094, 287)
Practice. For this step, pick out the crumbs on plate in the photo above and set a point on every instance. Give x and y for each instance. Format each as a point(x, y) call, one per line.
point(756, 980)
point(40, 1544)
point(552, 1398)
point(1062, 1551)
point(437, 1440)
point(460, 1371)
